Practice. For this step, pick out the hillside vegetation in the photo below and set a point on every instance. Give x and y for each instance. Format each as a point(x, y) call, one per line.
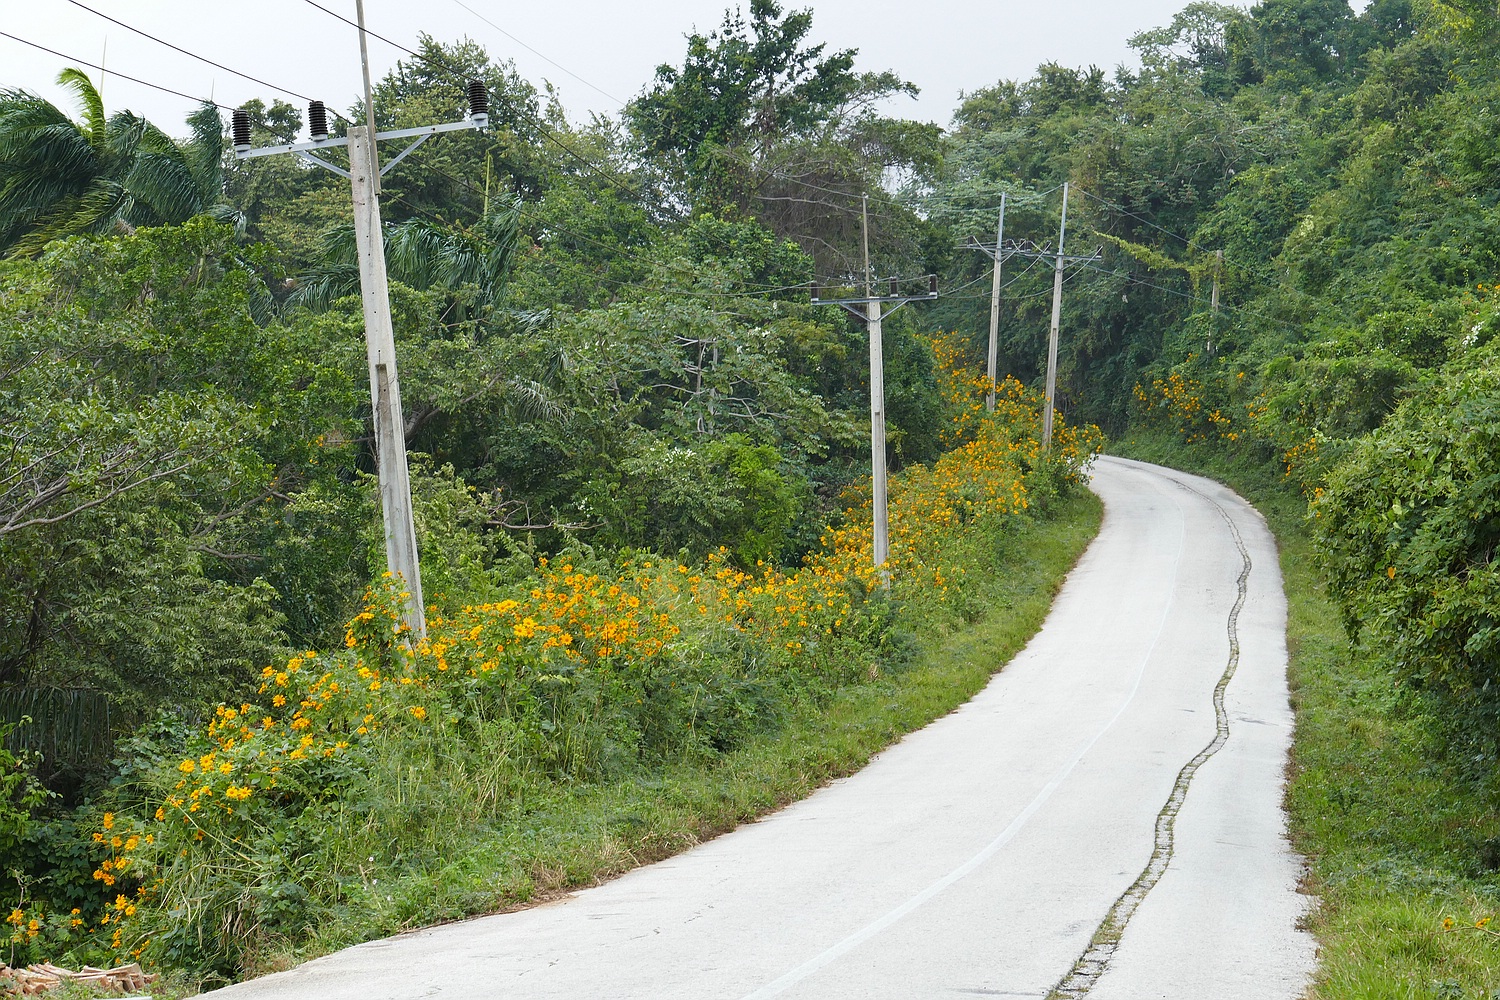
point(641, 455)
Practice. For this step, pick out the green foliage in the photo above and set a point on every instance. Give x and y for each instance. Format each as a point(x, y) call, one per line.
point(755, 115)
point(470, 267)
point(728, 492)
point(1410, 527)
point(20, 792)
point(747, 83)
point(137, 441)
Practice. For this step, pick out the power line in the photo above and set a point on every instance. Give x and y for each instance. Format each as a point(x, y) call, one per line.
point(192, 55)
point(762, 289)
point(1141, 219)
point(123, 76)
point(535, 122)
point(725, 150)
point(619, 283)
point(1014, 195)
point(1134, 279)
point(537, 53)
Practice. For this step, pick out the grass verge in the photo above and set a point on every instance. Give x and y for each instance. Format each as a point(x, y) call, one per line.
point(1401, 835)
point(581, 835)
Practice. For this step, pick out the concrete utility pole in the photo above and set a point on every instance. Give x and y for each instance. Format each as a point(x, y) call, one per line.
point(1218, 267)
point(385, 387)
point(380, 342)
point(989, 403)
point(364, 69)
point(882, 529)
point(380, 349)
point(1057, 283)
point(873, 314)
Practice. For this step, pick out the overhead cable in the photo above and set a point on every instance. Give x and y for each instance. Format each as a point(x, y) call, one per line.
point(123, 76)
point(192, 55)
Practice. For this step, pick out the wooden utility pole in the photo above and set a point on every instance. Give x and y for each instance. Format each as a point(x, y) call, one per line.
point(1057, 284)
point(989, 403)
point(881, 524)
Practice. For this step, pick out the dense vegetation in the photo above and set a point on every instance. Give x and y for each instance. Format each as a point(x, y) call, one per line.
point(617, 390)
point(640, 474)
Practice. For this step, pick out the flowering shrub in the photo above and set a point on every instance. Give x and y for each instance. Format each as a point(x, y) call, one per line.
point(1177, 402)
point(357, 764)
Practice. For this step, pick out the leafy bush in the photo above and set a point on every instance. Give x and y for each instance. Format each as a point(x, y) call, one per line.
point(1410, 523)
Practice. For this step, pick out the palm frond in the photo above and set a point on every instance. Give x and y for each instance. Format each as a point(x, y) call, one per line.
point(423, 255)
point(163, 184)
point(100, 209)
point(530, 400)
point(205, 152)
point(334, 273)
point(95, 127)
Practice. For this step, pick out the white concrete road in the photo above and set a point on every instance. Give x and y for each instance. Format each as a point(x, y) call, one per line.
point(980, 856)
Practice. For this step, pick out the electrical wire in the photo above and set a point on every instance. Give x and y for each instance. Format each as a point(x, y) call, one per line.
point(546, 131)
point(622, 104)
point(415, 208)
point(1244, 310)
point(760, 289)
point(1013, 198)
point(115, 72)
point(1141, 219)
point(539, 54)
point(618, 282)
point(194, 55)
point(536, 122)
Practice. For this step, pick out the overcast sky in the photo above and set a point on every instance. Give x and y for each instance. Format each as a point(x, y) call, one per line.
point(943, 46)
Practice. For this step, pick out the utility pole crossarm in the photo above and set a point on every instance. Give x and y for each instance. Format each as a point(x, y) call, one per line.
point(424, 131)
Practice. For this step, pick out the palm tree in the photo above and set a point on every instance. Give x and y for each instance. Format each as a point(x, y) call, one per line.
point(62, 178)
point(472, 266)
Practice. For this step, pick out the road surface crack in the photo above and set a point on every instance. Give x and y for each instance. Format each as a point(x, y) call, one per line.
point(1094, 961)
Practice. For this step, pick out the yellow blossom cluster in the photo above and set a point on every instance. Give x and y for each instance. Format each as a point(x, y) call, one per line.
point(1178, 401)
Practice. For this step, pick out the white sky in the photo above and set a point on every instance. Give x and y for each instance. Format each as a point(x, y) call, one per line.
point(943, 46)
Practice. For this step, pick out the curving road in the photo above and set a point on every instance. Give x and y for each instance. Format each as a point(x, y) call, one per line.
point(1103, 820)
